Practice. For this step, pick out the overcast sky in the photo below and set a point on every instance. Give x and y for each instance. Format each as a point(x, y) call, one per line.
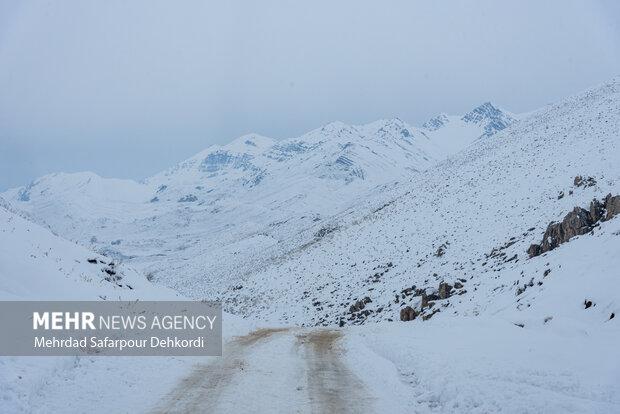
point(128, 88)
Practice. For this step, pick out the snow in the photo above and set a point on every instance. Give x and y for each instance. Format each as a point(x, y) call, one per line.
point(294, 233)
point(205, 211)
point(485, 364)
point(37, 265)
point(487, 197)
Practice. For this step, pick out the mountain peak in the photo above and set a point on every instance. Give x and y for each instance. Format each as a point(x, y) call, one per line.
point(332, 130)
point(335, 126)
point(491, 117)
point(434, 124)
point(485, 111)
point(249, 143)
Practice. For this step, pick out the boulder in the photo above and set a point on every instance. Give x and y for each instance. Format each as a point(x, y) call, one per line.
point(408, 314)
point(444, 290)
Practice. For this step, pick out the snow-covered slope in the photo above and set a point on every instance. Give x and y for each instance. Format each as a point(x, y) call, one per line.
point(38, 265)
point(247, 202)
point(467, 222)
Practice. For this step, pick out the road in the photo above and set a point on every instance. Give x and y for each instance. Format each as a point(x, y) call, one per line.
point(289, 370)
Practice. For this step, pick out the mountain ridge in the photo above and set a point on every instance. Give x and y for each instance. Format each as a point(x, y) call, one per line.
point(204, 208)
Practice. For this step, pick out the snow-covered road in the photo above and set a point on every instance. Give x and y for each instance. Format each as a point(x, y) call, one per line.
point(274, 370)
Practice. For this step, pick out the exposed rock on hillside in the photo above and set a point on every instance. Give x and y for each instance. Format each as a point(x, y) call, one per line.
point(584, 181)
point(408, 314)
point(577, 222)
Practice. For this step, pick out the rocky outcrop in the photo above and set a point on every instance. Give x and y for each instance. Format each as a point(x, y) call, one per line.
point(359, 305)
point(596, 210)
point(357, 312)
point(580, 181)
point(408, 314)
point(612, 206)
point(577, 222)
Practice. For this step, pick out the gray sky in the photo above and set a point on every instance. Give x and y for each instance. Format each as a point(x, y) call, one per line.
point(126, 89)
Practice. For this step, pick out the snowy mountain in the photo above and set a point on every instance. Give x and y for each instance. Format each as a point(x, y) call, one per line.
point(457, 235)
point(487, 119)
point(249, 201)
point(479, 282)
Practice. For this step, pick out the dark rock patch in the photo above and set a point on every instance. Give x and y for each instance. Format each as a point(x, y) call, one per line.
point(189, 198)
point(324, 231)
point(408, 314)
point(444, 290)
point(430, 315)
point(580, 181)
point(577, 222)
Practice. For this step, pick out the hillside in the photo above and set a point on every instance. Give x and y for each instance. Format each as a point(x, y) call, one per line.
point(38, 265)
point(466, 222)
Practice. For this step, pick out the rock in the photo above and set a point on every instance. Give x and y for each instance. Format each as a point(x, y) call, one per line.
point(575, 223)
point(612, 205)
point(408, 314)
point(534, 250)
point(596, 210)
point(357, 306)
point(458, 285)
point(580, 181)
point(426, 300)
point(444, 290)
point(430, 315)
point(587, 303)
